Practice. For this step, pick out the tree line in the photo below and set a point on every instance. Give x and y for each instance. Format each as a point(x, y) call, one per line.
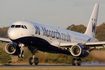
point(100, 30)
point(3, 32)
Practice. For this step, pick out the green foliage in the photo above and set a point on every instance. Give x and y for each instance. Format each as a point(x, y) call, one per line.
point(89, 58)
point(63, 58)
point(77, 28)
point(4, 57)
point(3, 32)
point(100, 32)
point(53, 57)
point(42, 57)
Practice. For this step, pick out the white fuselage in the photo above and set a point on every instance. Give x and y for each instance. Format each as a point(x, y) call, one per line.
point(46, 32)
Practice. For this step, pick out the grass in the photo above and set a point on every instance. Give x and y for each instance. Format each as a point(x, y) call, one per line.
point(57, 68)
point(2, 44)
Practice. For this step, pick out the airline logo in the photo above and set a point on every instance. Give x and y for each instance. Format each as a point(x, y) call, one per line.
point(54, 34)
point(94, 26)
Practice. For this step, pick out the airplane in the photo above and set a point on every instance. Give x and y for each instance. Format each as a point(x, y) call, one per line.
point(37, 36)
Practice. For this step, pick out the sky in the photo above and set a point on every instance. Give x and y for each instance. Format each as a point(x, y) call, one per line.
point(58, 13)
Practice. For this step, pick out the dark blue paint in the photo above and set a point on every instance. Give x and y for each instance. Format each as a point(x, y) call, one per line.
point(41, 44)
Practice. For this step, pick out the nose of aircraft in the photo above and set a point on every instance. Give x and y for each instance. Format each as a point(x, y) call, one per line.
point(11, 33)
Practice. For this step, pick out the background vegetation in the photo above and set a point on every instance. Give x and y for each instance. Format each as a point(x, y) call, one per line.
point(100, 30)
point(4, 57)
point(3, 32)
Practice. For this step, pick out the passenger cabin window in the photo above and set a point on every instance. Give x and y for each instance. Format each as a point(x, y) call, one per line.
point(19, 26)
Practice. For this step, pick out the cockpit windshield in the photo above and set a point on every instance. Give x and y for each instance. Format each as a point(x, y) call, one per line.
point(12, 26)
point(19, 26)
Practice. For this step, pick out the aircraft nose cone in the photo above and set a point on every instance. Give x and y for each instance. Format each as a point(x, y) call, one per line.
point(11, 34)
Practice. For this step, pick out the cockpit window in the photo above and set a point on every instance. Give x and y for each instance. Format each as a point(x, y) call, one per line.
point(25, 27)
point(22, 26)
point(12, 26)
point(19, 26)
